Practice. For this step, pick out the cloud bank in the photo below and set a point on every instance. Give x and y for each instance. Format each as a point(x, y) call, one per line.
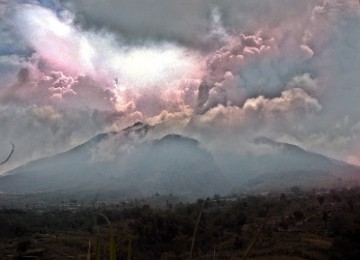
point(222, 72)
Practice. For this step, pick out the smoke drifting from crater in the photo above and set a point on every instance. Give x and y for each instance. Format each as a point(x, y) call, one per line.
point(229, 72)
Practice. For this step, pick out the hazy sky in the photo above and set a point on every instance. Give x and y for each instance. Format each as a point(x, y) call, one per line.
point(283, 69)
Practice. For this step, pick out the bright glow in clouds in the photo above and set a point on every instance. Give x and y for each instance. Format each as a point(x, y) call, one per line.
point(70, 50)
point(153, 66)
point(232, 70)
point(55, 41)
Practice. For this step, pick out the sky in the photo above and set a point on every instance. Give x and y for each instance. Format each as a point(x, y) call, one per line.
point(223, 72)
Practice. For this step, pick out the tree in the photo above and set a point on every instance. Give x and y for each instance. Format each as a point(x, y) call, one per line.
point(298, 215)
point(325, 218)
point(23, 245)
point(321, 199)
point(351, 205)
point(283, 197)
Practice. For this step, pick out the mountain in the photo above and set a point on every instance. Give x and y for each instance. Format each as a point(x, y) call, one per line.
point(129, 164)
point(118, 163)
point(285, 165)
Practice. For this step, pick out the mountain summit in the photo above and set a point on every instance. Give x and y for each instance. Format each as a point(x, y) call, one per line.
point(284, 165)
point(115, 163)
point(128, 164)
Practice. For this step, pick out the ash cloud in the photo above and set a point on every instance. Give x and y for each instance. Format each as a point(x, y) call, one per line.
point(159, 19)
point(229, 72)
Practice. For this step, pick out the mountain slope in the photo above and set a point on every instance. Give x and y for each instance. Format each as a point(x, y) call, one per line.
point(114, 162)
point(285, 165)
point(127, 164)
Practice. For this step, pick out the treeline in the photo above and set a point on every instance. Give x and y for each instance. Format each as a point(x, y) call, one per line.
point(310, 225)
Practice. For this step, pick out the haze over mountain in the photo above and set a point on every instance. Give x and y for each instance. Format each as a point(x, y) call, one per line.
point(231, 72)
point(228, 73)
point(285, 165)
point(172, 164)
point(126, 165)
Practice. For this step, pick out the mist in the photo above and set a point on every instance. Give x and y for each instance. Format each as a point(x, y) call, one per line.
point(180, 129)
point(229, 73)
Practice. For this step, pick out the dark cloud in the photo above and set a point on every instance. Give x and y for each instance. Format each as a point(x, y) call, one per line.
point(188, 22)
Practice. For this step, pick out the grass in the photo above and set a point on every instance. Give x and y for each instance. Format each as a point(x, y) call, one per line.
point(112, 248)
point(196, 230)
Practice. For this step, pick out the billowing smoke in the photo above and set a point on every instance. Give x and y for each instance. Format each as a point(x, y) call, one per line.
point(223, 72)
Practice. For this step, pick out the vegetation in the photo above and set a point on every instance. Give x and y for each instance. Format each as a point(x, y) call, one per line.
point(322, 224)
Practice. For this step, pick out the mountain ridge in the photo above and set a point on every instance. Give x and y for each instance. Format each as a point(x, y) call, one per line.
point(143, 167)
point(127, 163)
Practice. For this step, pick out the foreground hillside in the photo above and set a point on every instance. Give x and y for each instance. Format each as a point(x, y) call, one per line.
point(322, 224)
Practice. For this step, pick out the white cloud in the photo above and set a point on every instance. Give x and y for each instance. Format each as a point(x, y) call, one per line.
point(280, 68)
